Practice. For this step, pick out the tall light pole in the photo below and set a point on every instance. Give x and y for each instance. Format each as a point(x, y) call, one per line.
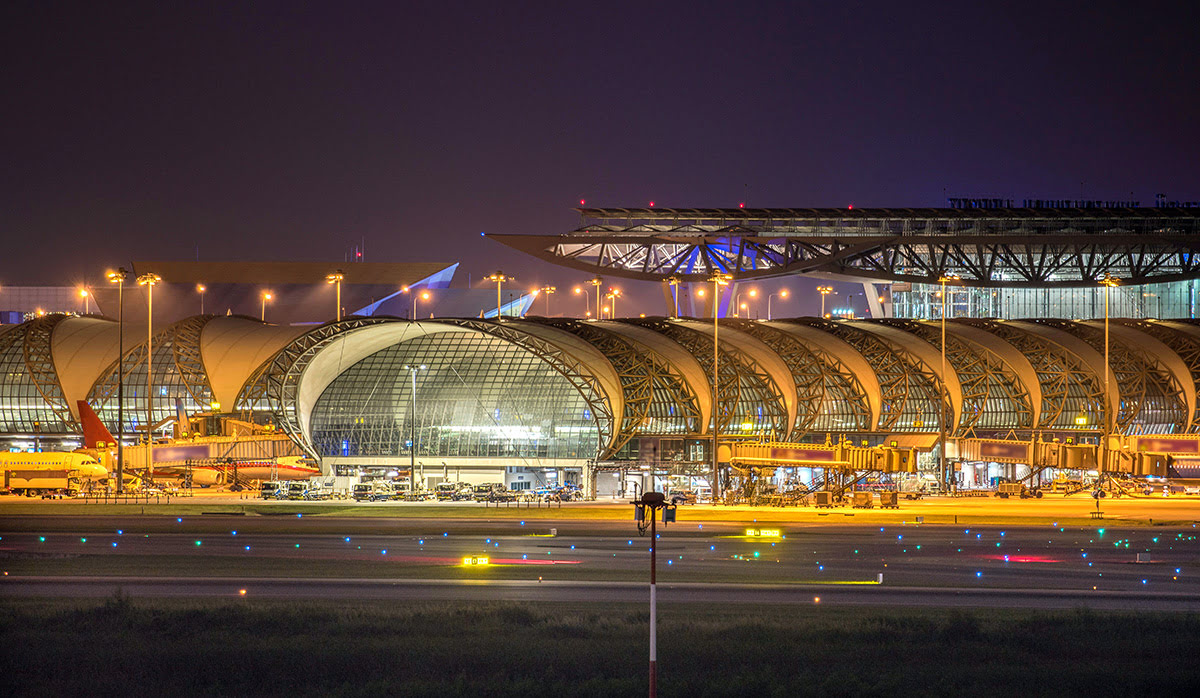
point(587, 300)
point(548, 291)
point(336, 279)
point(674, 281)
point(945, 392)
point(499, 278)
point(200, 289)
point(782, 294)
point(118, 277)
point(412, 427)
point(613, 293)
point(87, 301)
point(1108, 282)
point(824, 291)
point(597, 281)
point(718, 280)
point(149, 280)
point(266, 296)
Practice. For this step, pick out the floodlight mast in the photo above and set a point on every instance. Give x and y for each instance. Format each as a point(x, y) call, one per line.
point(653, 502)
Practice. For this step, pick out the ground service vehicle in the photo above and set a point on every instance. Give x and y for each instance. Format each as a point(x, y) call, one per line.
point(1015, 489)
point(296, 489)
point(374, 491)
point(49, 473)
point(273, 490)
point(445, 491)
point(318, 491)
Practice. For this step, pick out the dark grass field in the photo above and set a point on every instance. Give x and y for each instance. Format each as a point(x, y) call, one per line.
point(133, 647)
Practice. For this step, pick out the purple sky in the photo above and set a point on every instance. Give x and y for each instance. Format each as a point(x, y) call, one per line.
point(275, 131)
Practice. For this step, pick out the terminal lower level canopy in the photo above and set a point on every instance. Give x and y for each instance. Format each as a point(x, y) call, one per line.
point(982, 247)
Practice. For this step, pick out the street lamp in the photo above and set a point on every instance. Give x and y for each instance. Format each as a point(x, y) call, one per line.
point(423, 295)
point(674, 281)
point(87, 298)
point(336, 279)
point(118, 277)
point(200, 289)
point(149, 280)
point(1109, 281)
point(412, 427)
point(266, 296)
point(718, 280)
point(587, 300)
point(753, 293)
point(824, 291)
point(499, 278)
point(596, 281)
point(945, 396)
point(613, 293)
point(548, 291)
point(781, 294)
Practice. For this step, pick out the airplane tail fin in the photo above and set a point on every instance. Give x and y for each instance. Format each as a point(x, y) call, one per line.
point(94, 431)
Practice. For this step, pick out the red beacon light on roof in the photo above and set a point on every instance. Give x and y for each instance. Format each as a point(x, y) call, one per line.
point(742, 205)
point(582, 202)
point(651, 204)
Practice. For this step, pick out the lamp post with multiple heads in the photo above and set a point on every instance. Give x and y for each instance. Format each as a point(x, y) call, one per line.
point(824, 291)
point(200, 289)
point(1109, 281)
point(87, 301)
point(412, 428)
point(718, 280)
point(118, 277)
point(149, 280)
point(266, 296)
point(597, 281)
point(613, 293)
point(499, 278)
point(783, 293)
point(674, 281)
point(945, 394)
point(336, 279)
point(547, 291)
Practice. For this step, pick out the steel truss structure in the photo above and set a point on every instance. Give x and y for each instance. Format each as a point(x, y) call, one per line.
point(1017, 247)
point(182, 340)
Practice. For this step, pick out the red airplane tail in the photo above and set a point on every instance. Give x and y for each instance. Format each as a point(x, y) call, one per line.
point(95, 434)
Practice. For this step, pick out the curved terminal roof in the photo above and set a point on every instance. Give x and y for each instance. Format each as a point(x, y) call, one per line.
point(651, 377)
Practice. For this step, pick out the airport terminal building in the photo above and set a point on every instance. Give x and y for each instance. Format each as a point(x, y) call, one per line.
point(542, 401)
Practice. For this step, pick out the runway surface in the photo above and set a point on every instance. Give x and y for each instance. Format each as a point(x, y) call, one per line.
point(601, 562)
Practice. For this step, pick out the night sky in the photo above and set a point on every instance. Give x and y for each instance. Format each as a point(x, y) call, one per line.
point(282, 130)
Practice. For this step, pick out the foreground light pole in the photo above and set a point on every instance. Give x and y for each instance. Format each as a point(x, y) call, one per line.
point(718, 280)
point(266, 296)
point(499, 278)
point(945, 393)
point(336, 279)
point(412, 428)
point(118, 277)
point(781, 294)
point(1109, 281)
point(647, 508)
point(824, 291)
point(149, 280)
point(200, 289)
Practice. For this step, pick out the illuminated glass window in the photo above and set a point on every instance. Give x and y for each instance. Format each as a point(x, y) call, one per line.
point(478, 396)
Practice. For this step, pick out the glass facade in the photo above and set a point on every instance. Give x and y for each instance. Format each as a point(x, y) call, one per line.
point(478, 396)
point(168, 385)
point(21, 403)
point(1175, 299)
